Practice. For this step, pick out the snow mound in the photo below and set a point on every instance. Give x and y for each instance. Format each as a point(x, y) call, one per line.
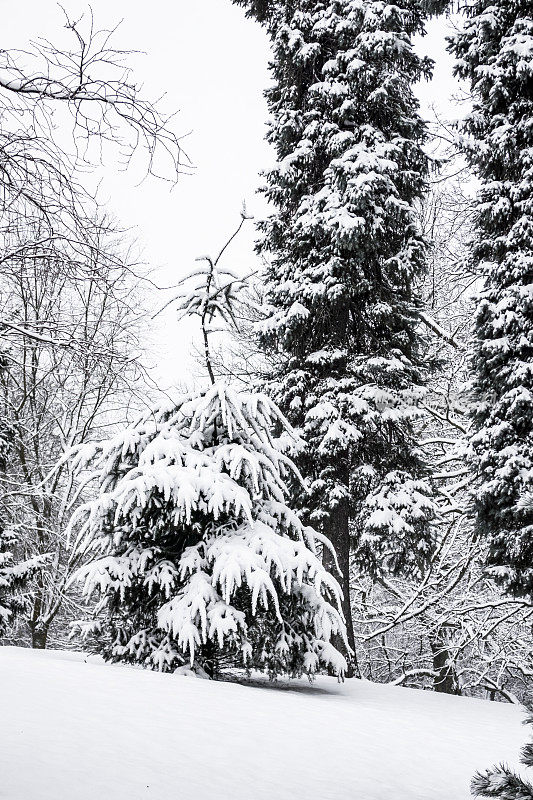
point(71, 727)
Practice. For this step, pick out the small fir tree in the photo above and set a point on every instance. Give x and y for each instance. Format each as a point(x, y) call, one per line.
point(345, 252)
point(195, 552)
point(15, 570)
point(495, 53)
point(14, 577)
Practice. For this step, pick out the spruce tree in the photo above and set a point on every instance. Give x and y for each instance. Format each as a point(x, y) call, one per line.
point(344, 254)
point(495, 53)
point(193, 550)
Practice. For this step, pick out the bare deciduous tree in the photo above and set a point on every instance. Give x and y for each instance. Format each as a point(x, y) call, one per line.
point(61, 110)
point(57, 397)
point(69, 312)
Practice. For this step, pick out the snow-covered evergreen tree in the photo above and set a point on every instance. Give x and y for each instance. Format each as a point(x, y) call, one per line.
point(344, 253)
point(502, 782)
point(14, 576)
point(15, 570)
point(495, 52)
point(194, 550)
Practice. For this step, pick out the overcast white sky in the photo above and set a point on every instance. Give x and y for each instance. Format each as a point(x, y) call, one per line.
point(212, 64)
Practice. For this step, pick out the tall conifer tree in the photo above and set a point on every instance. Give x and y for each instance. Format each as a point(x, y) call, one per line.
point(344, 254)
point(495, 53)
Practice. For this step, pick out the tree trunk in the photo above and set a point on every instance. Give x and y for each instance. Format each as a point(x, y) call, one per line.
point(38, 628)
point(39, 636)
point(338, 532)
point(445, 680)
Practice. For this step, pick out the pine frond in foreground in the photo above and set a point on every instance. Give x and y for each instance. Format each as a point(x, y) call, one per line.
point(503, 783)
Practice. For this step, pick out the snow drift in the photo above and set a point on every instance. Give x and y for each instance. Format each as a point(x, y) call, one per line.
point(71, 727)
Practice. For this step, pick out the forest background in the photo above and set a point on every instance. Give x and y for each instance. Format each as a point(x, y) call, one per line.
point(453, 632)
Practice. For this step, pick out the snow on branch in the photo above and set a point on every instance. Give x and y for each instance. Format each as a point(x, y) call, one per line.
point(92, 79)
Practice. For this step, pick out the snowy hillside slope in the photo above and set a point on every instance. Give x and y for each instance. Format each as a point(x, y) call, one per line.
point(89, 731)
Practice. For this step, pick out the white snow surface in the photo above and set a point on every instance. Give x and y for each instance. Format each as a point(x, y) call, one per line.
point(72, 727)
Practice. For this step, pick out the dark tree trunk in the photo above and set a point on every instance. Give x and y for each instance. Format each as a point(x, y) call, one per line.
point(445, 680)
point(38, 629)
point(338, 532)
point(39, 637)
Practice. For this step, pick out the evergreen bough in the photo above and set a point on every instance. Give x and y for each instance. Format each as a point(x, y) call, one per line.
point(503, 783)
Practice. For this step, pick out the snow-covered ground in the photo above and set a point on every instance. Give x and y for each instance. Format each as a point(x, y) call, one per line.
point(77, 730)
